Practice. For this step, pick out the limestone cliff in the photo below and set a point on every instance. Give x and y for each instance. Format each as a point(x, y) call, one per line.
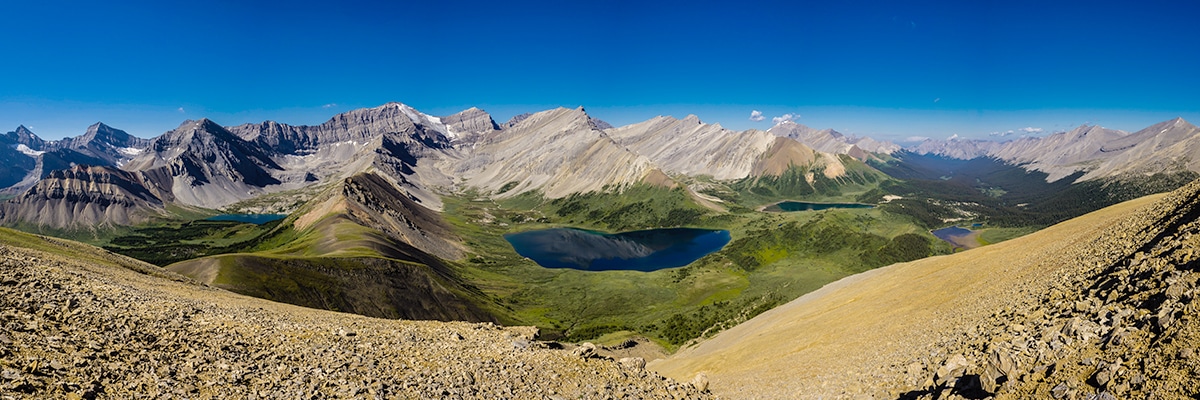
point(84, 197)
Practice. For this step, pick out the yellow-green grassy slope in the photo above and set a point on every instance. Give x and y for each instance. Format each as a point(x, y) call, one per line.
point(324, 257)
point(1032, 317)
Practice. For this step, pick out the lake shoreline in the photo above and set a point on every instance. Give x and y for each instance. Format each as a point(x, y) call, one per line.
point(820, 205)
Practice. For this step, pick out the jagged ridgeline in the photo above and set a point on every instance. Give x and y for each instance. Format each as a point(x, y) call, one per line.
point(394, 213)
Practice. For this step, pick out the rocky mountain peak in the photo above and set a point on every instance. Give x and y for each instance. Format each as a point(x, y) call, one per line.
point(599, 123)
point(23, 135)
point(470, 123)
point(1176, 123)
point(106, 134)
point(22, 130)
point(516, 119)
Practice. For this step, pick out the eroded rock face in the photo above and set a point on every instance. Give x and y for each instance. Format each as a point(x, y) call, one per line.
point(113, 327)
point(376, 203)
point(82, 197)
point(25, 158)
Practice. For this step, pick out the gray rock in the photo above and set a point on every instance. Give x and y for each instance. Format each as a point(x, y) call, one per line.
point(636, 363)
point(954, 367)
point(585, 350)
point(700, 382)
point(1061, 391)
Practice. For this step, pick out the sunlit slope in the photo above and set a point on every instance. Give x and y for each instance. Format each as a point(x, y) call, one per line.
point(80, 322)
point(887, 332)
point(342, 252)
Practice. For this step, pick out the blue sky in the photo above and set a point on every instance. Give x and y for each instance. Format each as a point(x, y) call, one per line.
point(887, 69)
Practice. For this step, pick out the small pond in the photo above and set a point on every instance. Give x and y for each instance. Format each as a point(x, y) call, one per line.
point(248, 218)
point(959, 237)
point(647, 250)
point(789, 206)
point(951, 232)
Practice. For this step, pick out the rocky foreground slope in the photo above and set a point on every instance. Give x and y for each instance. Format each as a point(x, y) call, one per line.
point(1098, 307)
point(98, 325)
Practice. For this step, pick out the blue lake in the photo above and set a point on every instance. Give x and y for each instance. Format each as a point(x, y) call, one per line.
point(789, 206)
point(648, 250)
point(249, 218)
point(950, 233)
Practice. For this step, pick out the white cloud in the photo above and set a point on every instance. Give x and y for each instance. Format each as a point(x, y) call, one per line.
point(330, 105)
point(1002, 134)
point(916, 138)
point(181, 111)
point(1030, 129)
point(937, 99)
point(784, 118)
point(756, 116)
point(952, 137)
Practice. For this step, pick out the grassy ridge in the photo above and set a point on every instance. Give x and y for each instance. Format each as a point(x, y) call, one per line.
point(794, 183)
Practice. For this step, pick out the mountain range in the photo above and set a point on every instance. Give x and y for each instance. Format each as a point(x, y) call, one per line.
point(1101, 306)
point(204, 165)
point(1099, 152)
point(393, 213)
point(383, 167)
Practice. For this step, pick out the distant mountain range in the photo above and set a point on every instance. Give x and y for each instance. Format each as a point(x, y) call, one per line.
point(1098, 152)
point(107, 177)
point(202, 164)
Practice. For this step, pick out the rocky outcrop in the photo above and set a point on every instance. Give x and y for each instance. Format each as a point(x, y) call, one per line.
point(80, 323)
point(84, 197)
point(1118, 321)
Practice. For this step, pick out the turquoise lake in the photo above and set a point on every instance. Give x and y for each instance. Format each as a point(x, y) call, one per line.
point(646, 250)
